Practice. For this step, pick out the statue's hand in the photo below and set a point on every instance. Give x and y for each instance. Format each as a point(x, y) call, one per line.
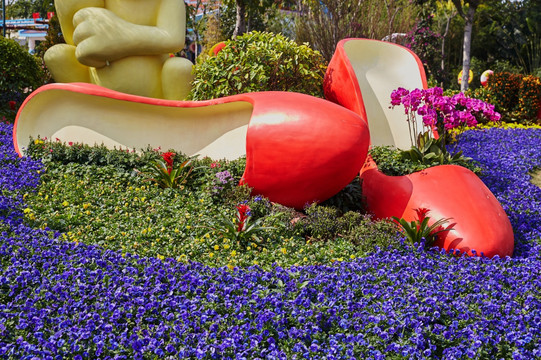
point(100, 36)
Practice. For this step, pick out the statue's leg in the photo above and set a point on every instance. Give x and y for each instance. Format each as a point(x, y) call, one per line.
point(63, 65)
point(177, 78)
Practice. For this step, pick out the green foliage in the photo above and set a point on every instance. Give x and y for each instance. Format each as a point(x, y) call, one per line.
point(323, 23)
point(348, 199)
point(269, 19)
point(53, 37)
point(391, 162)
point(23, 9)
point(259, 62)
point(122, 159)
point(99, 199)
point(20, 73)
point(167, 175)
point(241, 229)
point(396, 162)
point(418, 230)
point(431, 152)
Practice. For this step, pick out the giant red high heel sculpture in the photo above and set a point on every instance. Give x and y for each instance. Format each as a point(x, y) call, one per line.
point(299, 148)
point(361, 76)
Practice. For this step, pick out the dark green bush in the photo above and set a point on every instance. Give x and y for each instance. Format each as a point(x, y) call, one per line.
point(392, 162)
point(259, 61)
point(122, 159)
point(20, 73)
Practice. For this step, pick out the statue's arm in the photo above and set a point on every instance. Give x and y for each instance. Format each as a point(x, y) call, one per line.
point(66, 9)
point(101, 36)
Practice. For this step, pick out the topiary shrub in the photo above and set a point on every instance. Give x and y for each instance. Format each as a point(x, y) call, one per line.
point(515, 96)
point(20, 73)
point(259, 61)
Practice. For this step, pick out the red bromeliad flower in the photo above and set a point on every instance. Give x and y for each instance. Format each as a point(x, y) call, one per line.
point(440, 232)
point(421, 213)
point(168, 158)
point(242, 216)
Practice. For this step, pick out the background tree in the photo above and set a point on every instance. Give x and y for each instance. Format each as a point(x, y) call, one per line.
point(467, 12)
point(23, 9)
point(197, 19)
point(324, 23)
point(242, 9)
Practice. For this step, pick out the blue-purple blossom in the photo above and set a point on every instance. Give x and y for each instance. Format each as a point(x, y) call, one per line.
point(67, 300)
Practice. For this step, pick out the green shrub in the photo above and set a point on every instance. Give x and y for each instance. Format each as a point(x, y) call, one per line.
point(122, 159)
point(20, 73)
point(392, 162)
point(259, 61)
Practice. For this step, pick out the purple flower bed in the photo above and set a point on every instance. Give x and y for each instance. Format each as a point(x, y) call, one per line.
point(61, 300)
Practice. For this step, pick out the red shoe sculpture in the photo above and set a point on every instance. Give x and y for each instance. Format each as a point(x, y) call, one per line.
point(361, 76)
point(299, 149)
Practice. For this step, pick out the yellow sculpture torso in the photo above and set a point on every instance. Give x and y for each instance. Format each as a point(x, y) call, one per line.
point(123, 45)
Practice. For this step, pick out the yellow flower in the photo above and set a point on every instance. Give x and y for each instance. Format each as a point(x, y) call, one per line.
point(27, 210)
point(38, 141)
point(65, 203)
point(233, 253)
point(216, 247)
point(248, 248)
point(160, 257)
point(226, 246)
point(352, 257)
point(188, 227)
point(86, 206)
point(230, 266)
point(177, 230)
point(211, 255)
point(283, 250)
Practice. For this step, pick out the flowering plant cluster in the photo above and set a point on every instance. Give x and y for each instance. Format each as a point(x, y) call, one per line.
point(441, 112)
point(438, 114)
point(517, 97)
point(165, 174)
point(419, 231)
point(240, 229)
point(529, 102)
point(427, 45)
point(61, 299)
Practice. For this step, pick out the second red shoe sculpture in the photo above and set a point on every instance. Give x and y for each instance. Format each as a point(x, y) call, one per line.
point(361, 76)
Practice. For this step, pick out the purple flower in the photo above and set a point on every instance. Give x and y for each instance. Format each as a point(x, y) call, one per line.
point(58, 300)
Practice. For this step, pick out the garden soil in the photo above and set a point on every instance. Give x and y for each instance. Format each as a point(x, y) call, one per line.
point(536, 177)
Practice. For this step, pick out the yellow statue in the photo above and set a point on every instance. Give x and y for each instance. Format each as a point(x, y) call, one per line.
point(123, 45)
